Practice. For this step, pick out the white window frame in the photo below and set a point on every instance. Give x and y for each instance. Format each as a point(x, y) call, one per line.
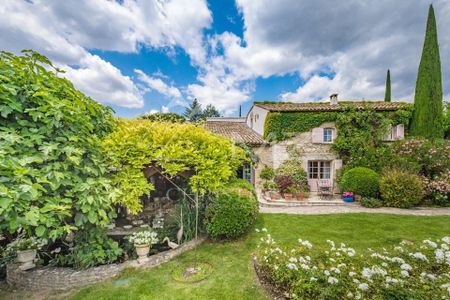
point(318, 168)
point(328, 133)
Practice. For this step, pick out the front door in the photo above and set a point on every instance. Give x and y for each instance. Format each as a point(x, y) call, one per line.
point(318, 170)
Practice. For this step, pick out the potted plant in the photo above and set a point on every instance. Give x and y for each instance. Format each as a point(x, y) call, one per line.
point(26, 250)
point(142, 241)
point(285, 185)
point(289, 192)
point(357, 198)
point(302, 192)
point(347, 196)
point(270, 187)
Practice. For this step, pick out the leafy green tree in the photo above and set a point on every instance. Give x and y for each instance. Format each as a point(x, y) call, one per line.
point(164, 117)
point(194, 112)
point(210, 112)
point(447, 120)
point(52, 165)
point(427, 118)
point(387, 95)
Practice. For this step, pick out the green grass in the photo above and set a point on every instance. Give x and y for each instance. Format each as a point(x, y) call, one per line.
point(233, 276)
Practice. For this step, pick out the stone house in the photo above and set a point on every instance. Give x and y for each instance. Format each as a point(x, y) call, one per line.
point(319, 160)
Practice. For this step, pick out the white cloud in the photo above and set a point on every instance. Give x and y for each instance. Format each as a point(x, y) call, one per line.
point(165, 109)
point(65, 30)
point(158, 85)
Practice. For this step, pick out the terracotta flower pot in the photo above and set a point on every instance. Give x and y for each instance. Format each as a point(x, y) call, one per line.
point(142, 250)
point(287, 196)
point(26, 258)
point(357, 198)
point(299, 195)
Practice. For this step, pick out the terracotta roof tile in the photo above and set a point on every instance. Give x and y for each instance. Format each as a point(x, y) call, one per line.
point(325, 106)
point(238, 131)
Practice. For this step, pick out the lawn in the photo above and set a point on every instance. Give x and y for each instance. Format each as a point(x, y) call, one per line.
point(233, 276)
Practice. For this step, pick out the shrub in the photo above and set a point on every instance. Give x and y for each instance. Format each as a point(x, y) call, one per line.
point(361, 181)
point(52, 164)
point(270, 186)
point(267, 173)
point(230, 214)
point(241, 185)
point(284, 183)
point(339, 272)
point(371, 202)
point(294, 169)
point(401, 189)
point(438, 190)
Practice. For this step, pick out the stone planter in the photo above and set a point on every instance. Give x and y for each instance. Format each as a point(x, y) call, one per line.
point(274, 195)
point(287, 196)
point(357, 198)
point(142, 250)
point(26, 259)
point(299, 195)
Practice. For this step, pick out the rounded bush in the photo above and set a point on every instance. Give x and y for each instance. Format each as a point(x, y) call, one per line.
point(361, 181)
point(230, 214)
point(401, 189)
point(371, 202)
point(267, 173)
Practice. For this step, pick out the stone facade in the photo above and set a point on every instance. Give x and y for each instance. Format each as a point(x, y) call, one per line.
point(273, 155)
point(53, 278)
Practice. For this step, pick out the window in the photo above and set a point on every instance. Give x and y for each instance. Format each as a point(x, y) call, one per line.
point(319, 170)
point(327, 135)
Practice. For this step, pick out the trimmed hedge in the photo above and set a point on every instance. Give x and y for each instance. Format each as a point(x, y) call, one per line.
point(232, 211)
point(361, 181)
point(401, 189)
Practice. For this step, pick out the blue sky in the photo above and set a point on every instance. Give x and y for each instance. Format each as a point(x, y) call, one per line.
point(141, 56)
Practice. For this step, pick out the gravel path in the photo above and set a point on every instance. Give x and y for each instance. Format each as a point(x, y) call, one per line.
point(324, 210)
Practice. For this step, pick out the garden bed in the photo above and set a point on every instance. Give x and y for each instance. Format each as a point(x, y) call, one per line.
point(54, 278)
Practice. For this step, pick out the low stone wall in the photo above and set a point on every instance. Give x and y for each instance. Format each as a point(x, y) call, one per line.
point(54, 278)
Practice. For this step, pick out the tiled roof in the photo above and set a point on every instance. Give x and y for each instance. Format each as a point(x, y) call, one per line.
point(235, 129)
point(325, 106)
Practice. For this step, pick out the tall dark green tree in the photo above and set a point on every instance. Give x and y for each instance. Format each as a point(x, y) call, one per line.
point(387, 94)
point(427, 118)
point(210, 112)
point(194, 112)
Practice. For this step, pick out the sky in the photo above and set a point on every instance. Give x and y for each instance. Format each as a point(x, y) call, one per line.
point(142, 56)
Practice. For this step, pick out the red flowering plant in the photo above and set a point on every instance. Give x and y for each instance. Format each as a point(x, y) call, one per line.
point(284, 183)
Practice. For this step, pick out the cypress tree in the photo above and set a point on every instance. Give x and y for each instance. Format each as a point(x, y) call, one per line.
point(387, 94)
point(427, 118)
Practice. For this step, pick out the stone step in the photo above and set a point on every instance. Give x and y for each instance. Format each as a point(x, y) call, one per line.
point(293, 203)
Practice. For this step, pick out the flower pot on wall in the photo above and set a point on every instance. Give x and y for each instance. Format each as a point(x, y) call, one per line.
point(348, 199)
point(287, 196)
point(142, 250)
point(26, 259)
point(299, 195)
point(358, 198)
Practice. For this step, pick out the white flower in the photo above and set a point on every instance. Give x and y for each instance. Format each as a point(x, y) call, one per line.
point(406, 267)
point(264, 229)
point(397, 260)
point(326, 272)
point(293, 260)
point(446, 239)
point(257, 230)
point(404, 273)
point(440, 255)
point(332, 280)
point(363, 286)
point(444, 246)
point(384, 264)
point(419, 255)
point(431, 276)
point(313, 279)
point(351, 274)
point(335, 270)
point(304, 266)
point(292, 266)
point(356, 281)
point(431, 243)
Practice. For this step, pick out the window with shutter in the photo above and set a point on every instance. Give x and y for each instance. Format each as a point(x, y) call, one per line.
point(317, 135)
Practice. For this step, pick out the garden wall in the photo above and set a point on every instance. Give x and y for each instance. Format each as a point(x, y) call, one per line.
point(54, 278)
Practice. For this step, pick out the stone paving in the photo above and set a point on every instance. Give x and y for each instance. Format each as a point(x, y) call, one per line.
point(323, 210)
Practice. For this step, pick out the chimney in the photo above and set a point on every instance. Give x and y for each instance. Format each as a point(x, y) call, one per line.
point(333, 99)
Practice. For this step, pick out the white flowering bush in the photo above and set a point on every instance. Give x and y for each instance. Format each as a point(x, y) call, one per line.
point(144, 238)
point(26, 243)
point(408, 271)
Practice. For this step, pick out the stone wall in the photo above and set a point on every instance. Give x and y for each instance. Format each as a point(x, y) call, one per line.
point(273, 155)
point(53, 278)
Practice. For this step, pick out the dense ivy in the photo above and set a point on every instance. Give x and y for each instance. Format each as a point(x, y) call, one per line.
point(173, 148)
point(52, 168)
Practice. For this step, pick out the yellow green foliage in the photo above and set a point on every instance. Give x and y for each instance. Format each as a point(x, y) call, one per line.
point(173, 148)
